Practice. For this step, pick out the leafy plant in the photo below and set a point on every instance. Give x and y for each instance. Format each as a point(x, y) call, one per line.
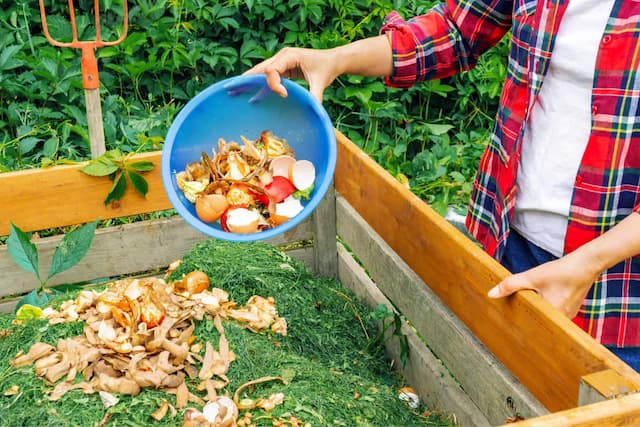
point(428, 134)
point(119, 169)
point(71, 249)
point(389, 319)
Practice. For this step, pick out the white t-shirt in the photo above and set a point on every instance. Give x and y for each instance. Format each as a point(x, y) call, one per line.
point(558, 128)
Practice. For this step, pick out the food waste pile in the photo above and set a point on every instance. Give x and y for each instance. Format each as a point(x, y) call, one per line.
point(236, 334)
point(248, 187)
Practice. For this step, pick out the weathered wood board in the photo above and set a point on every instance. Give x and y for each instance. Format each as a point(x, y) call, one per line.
point(124, 250)
point(62, 195)
point(494, 392)
point(517, 329)
point(415, 261)
point(621, 412)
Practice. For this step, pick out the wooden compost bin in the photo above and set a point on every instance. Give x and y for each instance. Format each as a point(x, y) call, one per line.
point(482, 360)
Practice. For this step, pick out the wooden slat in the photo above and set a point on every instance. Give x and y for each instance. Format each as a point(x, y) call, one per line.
point(324, 232)
point(535, 342)
point(424, 371)
point(484, 379)
point(304, 255)
point(122, 250)
point(620, 412)
point(592, 391)
point(38, 199)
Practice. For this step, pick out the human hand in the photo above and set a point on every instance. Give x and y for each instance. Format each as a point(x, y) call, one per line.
point(564, 282)
point(314, 65)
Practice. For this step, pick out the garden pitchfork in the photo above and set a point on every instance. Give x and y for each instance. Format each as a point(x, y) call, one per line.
point(90, 79)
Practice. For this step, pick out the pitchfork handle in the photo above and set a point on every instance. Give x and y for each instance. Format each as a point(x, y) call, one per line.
point(91, 85)
point(94, 120)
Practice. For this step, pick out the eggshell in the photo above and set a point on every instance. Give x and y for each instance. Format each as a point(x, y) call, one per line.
point(281, 212)
point(410, 396)
point(209, 207)
point(242, 220)
point(302, 174)
point(281, 165)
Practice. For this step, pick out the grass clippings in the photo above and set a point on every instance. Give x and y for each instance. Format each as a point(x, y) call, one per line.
point(334, 376)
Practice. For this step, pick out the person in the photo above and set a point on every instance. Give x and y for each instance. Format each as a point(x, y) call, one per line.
point(557, 195)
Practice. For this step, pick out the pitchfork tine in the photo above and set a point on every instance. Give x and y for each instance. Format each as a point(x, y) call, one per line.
point(96, 7)
point(72, 18)
point(90, 78)
point(98, 42)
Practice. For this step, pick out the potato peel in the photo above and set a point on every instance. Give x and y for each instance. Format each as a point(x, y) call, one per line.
point(122, 352)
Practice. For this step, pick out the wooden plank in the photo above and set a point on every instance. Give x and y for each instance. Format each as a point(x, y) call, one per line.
point(487, 382)
point(122, 250)
point(603, 385)
point(620, 412)
point(304, 255)
point(523, 332)
point(423, 371)
point(62, 195)
point(324, 232)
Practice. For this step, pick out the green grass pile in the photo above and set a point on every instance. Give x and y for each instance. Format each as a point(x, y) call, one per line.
point(335, 377)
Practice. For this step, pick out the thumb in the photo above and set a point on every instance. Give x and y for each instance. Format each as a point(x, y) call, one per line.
point(508, 286)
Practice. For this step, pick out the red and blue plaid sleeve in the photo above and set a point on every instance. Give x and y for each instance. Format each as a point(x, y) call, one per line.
point(446, 40)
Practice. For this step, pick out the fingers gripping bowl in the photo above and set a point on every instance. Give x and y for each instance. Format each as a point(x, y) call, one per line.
point(243, 109)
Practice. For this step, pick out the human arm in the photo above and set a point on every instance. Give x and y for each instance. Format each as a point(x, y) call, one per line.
point(319, 67)
point(446, 40)
point(564, 282)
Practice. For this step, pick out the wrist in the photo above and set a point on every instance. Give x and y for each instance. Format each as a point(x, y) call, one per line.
point(592, 258)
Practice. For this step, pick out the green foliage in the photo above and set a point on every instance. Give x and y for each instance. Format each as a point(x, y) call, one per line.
point(389, 319)
point(71, 249)
point(118, 168)
point(432, 133)
point(334, 378)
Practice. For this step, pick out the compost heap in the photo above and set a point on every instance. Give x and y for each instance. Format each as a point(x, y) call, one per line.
point(298, 351)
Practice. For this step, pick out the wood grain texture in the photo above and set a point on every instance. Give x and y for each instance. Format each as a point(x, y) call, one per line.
point(603, 385)
point(485, 380)
point(620, 412)
point(535, 342)
point(304, 255)
point(424, 371)
point(38, 199)
point(323, 220)
point(94, 122)
point(123, 250)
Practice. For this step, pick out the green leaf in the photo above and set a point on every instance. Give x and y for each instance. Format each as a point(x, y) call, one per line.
point(35, 298)
point(100, 166)
point(50, 147)
point(72, 248)
point(22, 251)
point(117, 190)
point(141, 166)
point(304, 194)
point(28, 312)
point(399, 149)
point(6, 60)
point(457, 176)
point(138, 182)
point(437, 129)
point(46, 162)
point(28, 144)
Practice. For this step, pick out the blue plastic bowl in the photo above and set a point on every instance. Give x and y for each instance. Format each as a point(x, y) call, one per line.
point(215, 113)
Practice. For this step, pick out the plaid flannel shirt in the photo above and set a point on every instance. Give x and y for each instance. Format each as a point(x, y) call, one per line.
point(450, 38)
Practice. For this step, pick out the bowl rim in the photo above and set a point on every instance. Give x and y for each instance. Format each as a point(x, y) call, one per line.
point(259, 81)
